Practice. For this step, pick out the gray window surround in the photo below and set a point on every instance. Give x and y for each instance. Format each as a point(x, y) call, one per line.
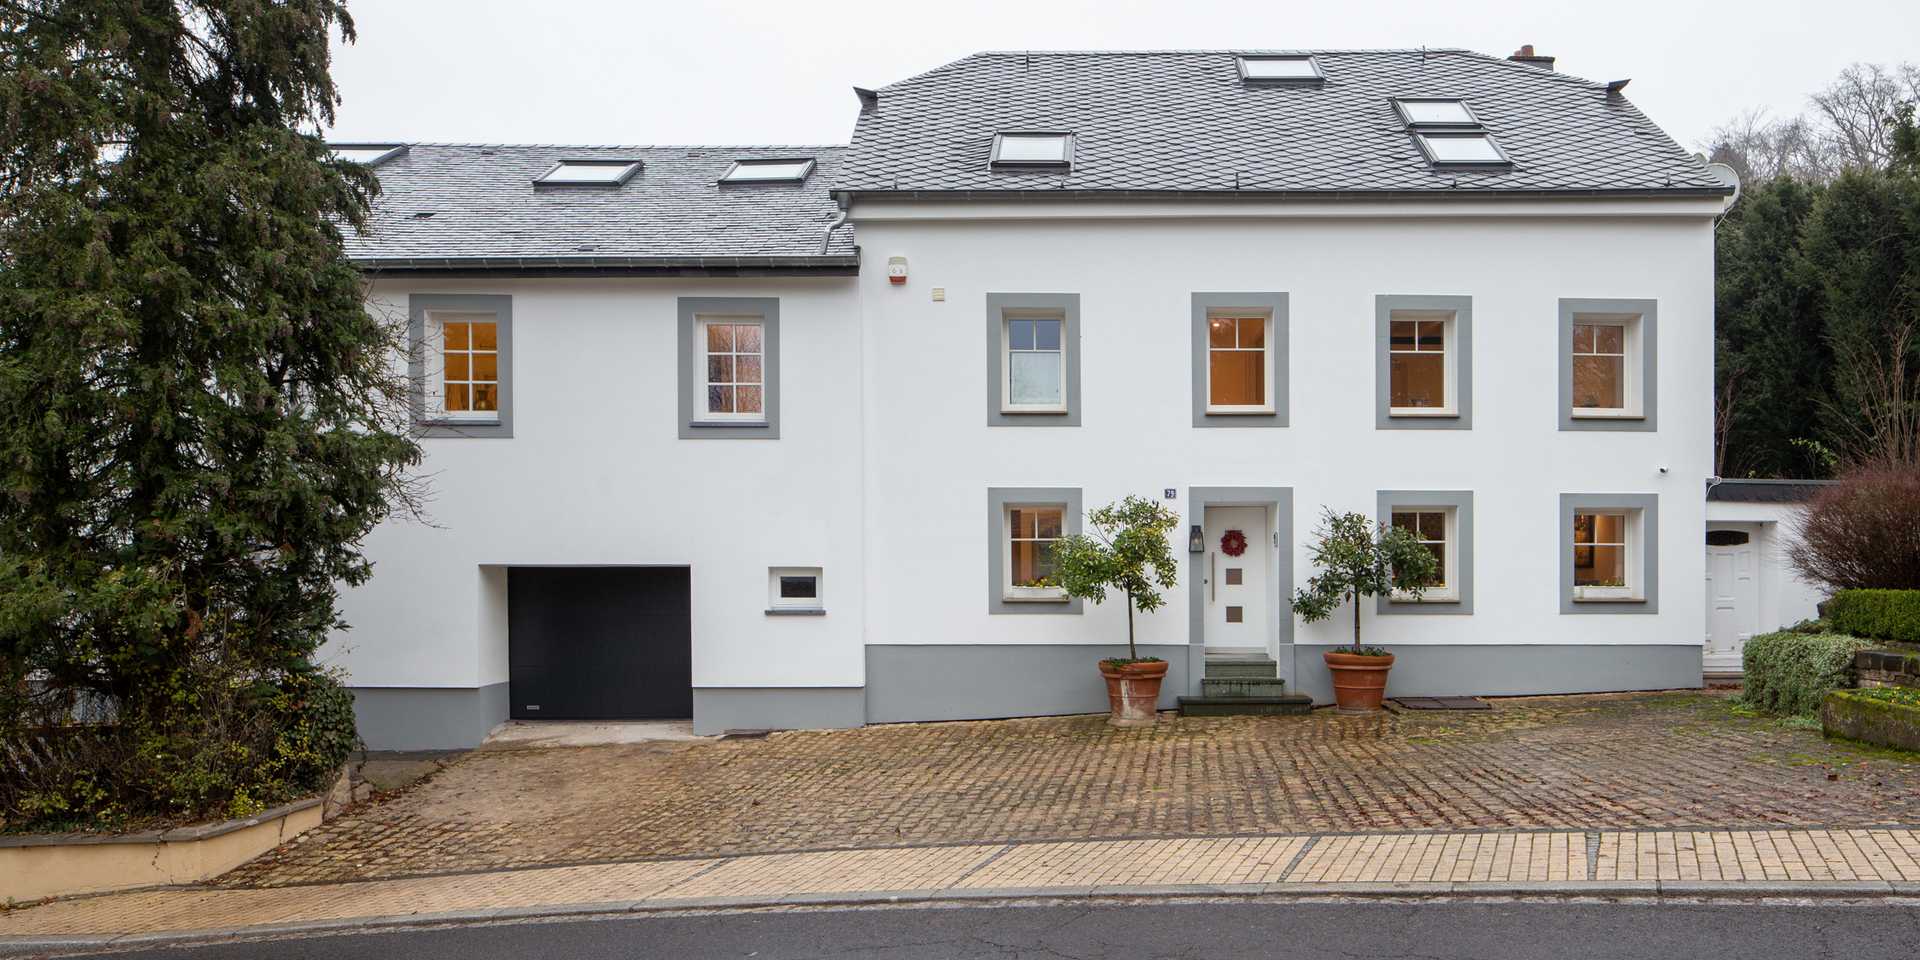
point(1461, 501)
point(1648, 504)
point(998, 500)
point(1275, 304)
point(1068, 306)
point(768, 310)
point(418, 304)
point(1647, 310)
point(1461, 370)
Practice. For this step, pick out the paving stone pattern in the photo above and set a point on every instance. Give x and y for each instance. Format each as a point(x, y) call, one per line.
point(1635, 762)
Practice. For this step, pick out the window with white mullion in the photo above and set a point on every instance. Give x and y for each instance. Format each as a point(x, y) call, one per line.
point(1239, 364)
point(467, 384)
point(1604, 564)
point(1031, 532)
point(1421, 380)
point(1435, 529)
point(1034, 361)
point(733, 365)
point(1605, 380)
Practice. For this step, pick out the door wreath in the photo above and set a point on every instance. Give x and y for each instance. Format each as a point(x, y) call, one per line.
point(1233, 543)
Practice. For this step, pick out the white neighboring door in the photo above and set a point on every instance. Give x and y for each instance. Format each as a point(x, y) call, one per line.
point(1236, 587)
point(1733, 596)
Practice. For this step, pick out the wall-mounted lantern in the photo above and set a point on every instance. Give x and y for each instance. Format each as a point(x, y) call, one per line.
point(1197, 540)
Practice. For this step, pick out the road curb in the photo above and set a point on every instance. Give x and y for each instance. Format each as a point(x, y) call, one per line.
point(14, 946)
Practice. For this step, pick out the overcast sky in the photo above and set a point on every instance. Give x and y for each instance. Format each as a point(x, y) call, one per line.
point(753, 72)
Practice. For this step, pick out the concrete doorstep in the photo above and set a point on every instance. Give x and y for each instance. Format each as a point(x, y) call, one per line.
point(1854, 863)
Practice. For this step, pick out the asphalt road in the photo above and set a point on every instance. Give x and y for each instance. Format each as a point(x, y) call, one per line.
point(1432, 930)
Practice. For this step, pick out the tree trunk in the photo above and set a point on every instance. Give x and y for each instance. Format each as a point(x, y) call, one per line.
point(1355, 596)
point(1132, 654)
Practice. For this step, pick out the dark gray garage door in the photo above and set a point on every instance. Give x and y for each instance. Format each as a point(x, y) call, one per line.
point(600, 643)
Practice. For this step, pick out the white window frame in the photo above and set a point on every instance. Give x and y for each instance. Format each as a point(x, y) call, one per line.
point(1011, 591)
point(1007, 316)
point(1449, 590)
point(1449, 361)
point(777, 602)
point(436, 356)
point(1631, 388)
point(700, 382)
point(1267, 361)
point(1631, 548)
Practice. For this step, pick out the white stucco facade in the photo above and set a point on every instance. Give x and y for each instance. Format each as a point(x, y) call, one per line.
point(885, 460)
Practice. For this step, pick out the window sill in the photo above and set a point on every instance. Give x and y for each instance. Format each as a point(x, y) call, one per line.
point(1430, 597)
point(1603, 599)
point(442, 420)
point(1417, 412)
point(1607, 415)
point(727, 424)
point(796, 612)
point(1033, 411)
point(1239, 411)
point(1055, 596)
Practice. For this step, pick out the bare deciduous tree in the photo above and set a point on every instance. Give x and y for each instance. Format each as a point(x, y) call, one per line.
point(1849, 128)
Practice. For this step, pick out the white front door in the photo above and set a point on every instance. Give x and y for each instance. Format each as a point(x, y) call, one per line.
point(1733, 596)
point(1236, 586)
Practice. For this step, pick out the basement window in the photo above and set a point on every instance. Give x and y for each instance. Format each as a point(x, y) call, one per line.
point(589, 173)
point(1280, 70)
point(1035, 150)
point(768, 171)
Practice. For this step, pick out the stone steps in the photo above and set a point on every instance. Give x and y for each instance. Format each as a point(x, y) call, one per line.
point(1243, 684)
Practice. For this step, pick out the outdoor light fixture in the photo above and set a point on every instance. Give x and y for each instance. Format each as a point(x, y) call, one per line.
point(1197, 540)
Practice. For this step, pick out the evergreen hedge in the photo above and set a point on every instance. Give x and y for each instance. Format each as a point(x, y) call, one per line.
point(1788, 673)
point(1879, 614)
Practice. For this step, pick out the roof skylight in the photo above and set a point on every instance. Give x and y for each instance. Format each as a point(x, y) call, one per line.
point(1446, 148)
point(1436, 113)
point(769, 171)
point(1281, 69)
point(589, 173)
point(1032, 149)
point(367, 154)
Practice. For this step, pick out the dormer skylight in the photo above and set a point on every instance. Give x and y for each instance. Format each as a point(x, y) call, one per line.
point(769, 171)
point(1448, 132)
point(367, 154)
point(1032, 150)
point(1294, 69)
point(589, 173)
point(1436, 113)
point(1460, 148)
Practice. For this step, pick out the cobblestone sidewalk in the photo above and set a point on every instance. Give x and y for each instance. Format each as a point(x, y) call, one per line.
point(1622, 762)
point(1851, 862)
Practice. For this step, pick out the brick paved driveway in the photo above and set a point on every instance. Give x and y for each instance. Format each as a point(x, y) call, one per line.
point(1622, 761)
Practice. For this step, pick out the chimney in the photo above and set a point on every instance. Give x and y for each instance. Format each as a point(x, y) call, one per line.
point(1527, 56)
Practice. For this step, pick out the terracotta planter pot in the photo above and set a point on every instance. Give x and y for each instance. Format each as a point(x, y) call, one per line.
point(1358, 682)
point(1132, 690)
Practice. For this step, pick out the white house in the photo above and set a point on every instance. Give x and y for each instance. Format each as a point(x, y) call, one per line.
point(775, 436)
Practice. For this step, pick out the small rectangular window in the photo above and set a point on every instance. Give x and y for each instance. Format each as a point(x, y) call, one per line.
point(601, 173)
point(1239, 364)
point(467, 384)
point(1418, 363)
point(1600, 366)
point(733, 357)
point(1461, 148)
point(768, 171)
point(1432, 528)
point(791, 589)
point(1436, 113)
point(1031, 531)
point(1603, 567)
point(1284, 69)
point(1035, 362)
point(1032, 149)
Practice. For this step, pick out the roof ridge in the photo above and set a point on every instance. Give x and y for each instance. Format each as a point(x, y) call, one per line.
point(1203, 51)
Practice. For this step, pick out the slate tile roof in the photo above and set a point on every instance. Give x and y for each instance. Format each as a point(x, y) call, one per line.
point(1765, 491)
point(451, 205)
point(1160, 121)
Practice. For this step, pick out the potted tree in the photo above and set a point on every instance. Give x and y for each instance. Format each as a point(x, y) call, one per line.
point(1128, 552)
point(1359, 559)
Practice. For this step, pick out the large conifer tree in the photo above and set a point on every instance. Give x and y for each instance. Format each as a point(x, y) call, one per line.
point(199, 419)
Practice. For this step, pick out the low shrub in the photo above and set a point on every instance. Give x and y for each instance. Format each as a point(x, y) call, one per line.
point(1863, 532)
point(1787, 673)
point(1878, 614)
